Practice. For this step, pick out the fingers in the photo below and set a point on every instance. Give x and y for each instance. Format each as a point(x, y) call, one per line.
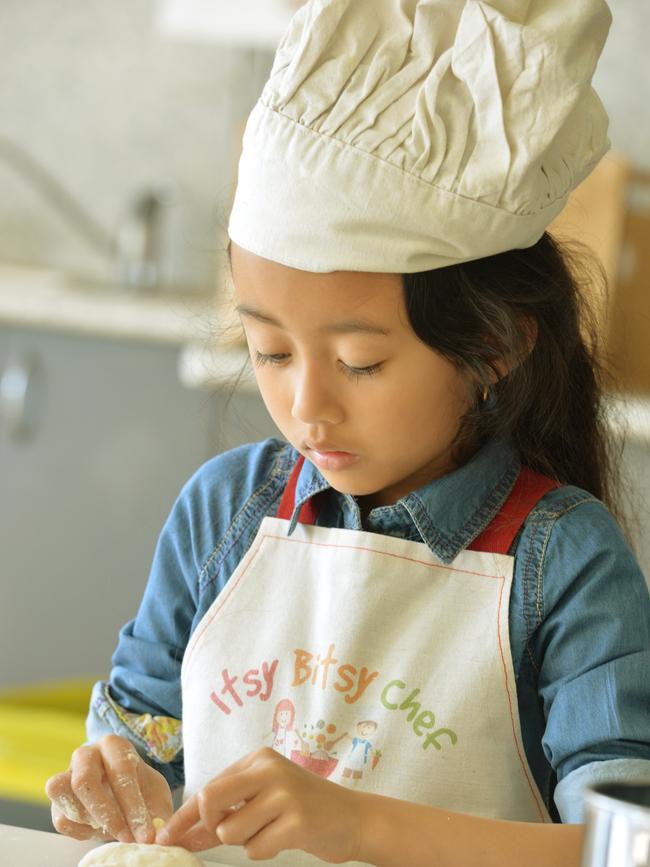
point(68, 814)
point(210, 805)
point(271, 839)
point(157, 795)
point(180, 823)
point(80, 831)
point(244, 825)
point(110, 789)
point(198, 839)
point(59, 791)
point(91, 785)
point(124, 770)
point(64, 825)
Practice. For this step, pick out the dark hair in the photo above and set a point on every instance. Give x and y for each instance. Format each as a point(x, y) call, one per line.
point(489, 311)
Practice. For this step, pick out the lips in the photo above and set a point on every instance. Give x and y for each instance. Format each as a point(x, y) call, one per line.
point(332, 460)
point(325, 448)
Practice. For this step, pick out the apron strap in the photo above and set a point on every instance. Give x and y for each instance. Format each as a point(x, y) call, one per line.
point(310, 509)
point(500, 533)
point(497, 537)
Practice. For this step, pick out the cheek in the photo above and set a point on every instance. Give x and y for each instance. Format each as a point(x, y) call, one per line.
point(276, 397)
point(428, 405)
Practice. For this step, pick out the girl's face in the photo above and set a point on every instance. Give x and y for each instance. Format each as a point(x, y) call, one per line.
point(399, 417)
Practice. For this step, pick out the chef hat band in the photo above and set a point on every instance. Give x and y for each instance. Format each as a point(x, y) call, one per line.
point(400, 136)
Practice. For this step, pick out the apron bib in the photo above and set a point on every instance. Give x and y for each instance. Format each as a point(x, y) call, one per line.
point(365, 660)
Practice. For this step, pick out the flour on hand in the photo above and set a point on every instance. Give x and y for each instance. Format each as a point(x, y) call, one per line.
point(139, 855)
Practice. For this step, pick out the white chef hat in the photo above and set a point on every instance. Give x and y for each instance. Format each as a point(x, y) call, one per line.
point(405, 135)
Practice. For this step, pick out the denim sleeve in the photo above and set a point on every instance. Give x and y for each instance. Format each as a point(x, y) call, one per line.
point(592, 652)
point(142, 699)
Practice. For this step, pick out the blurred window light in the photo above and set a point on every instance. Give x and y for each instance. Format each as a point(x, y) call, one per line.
point(247, 23)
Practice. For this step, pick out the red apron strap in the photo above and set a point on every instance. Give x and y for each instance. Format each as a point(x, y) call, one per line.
point(309, 511)
point(499, 535)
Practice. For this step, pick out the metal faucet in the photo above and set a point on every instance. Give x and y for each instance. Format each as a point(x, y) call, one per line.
point(138, 239)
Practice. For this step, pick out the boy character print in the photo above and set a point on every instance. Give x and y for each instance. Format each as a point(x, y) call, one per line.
point(361, 755)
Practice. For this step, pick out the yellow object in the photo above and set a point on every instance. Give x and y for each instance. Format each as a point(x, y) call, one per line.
point(40, 726)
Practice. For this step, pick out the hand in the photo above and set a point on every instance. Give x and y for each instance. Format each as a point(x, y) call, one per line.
point(284, 807)
point(109, 792)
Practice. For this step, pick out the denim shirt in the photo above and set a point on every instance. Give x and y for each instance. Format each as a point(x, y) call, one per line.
point(579, 608)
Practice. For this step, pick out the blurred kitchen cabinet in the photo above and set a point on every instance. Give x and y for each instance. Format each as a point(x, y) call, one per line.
point(610, 213)
point(595, 216)
point(630, 313)
point(89, 472)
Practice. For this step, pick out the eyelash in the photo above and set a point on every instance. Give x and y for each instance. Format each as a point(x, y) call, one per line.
point(352, 372)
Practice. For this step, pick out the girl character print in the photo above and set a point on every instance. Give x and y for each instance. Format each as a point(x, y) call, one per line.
point(284, 736)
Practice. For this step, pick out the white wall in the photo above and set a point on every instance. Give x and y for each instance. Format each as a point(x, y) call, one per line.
point(623, 80)
point(92, 91)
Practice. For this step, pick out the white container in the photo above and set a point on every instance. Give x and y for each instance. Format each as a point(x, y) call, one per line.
point(618, 825)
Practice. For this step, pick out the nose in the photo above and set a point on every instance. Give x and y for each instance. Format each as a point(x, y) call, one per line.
point(314, 397)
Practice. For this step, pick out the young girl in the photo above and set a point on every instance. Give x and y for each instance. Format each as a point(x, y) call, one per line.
point(426, 571)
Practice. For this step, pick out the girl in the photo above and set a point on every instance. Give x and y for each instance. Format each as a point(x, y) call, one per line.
point(431, 548)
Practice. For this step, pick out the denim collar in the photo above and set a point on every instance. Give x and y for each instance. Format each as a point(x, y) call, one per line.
point(448, 513)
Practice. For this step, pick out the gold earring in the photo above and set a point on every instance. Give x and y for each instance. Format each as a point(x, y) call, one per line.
point(486, 393)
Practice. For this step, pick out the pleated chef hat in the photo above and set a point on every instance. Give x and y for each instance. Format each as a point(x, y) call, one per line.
point(401, 136)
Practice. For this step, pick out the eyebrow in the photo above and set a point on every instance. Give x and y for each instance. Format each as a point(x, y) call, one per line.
point(353, 326)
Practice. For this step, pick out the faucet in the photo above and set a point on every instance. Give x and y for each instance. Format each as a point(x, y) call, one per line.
point(138, 239)
point(135, 248)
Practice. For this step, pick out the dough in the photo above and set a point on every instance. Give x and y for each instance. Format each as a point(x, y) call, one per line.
point(139, 855)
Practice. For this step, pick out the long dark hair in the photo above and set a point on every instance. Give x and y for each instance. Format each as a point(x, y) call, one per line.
point(482, 313)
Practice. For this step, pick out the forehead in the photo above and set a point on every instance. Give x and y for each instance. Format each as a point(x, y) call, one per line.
point(284, 291)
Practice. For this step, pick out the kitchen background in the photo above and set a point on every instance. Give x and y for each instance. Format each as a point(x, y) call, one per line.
point(120, 127)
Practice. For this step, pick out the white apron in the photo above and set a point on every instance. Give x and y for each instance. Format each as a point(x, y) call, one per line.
point(365, 660)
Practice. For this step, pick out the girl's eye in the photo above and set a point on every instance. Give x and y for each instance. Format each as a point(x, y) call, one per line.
point(356, 372)
point(261, 359)
point(352, 372)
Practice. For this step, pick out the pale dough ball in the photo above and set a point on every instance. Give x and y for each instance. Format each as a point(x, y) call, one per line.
point(139, 855)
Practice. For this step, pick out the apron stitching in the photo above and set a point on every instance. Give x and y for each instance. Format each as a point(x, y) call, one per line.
point(230, 588)
point(447, 567)
point(512, 720)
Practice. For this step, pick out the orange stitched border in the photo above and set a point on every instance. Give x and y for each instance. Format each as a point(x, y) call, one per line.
point(523, 763)
point(230, 588)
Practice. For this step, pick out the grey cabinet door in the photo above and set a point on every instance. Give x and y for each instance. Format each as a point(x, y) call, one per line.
point(84, 497)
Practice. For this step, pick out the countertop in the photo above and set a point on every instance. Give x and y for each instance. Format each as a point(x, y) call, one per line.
point(23, 847)
point(44, 299)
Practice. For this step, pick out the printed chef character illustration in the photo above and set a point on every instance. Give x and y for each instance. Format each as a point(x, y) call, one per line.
point(285, 737)
point(362, 755)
